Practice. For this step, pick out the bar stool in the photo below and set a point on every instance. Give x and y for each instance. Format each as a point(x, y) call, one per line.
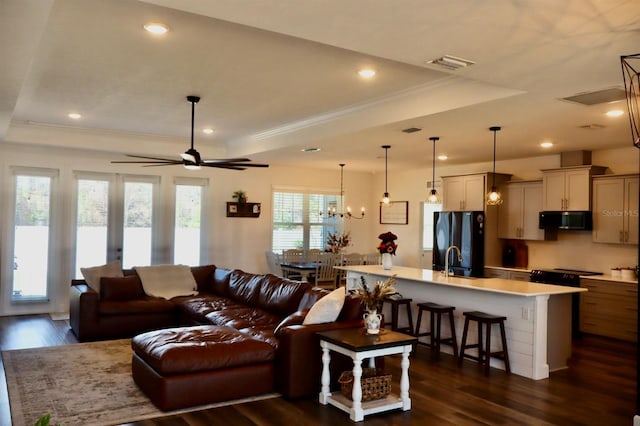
point(484, 352)
point(435, 312)
point(395, 305)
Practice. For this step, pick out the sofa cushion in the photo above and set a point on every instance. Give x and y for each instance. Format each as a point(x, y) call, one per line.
point(326, 309)
point(167, 281)
point(245, 287)
point(199, 348)
point(280, 295)
point(92, 275)
point(203, 276)
point(220, 281)
point(197, 307)
point(243, 317)
point(146, 305)
point(125, 288)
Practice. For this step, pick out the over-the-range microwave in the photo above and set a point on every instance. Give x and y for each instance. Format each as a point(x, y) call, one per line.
point(575, 220)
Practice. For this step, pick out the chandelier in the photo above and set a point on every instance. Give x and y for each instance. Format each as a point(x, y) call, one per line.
point(333, 212)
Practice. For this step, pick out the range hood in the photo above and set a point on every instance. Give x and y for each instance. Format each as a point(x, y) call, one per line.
point(569, 220)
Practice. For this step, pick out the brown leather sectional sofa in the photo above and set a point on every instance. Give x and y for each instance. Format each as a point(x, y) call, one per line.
point(265, 307)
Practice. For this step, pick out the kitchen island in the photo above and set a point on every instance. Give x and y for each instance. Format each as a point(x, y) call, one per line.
point(538, 322)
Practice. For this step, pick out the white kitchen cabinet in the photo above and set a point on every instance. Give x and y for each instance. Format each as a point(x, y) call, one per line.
point(463, 193)
point(615, 209)
point(609, 309)
point(568, 188)
point(518, 215)
point(468, 192)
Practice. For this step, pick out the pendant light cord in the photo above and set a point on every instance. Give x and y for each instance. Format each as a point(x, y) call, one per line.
point(386, 168)
point(494, 129)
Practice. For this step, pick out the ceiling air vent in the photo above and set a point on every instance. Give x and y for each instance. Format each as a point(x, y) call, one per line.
point(411, 129)
point(598, 97)
point(451, 62)
point(592, 126)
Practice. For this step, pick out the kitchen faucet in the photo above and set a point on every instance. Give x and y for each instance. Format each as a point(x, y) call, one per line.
point(446, 259)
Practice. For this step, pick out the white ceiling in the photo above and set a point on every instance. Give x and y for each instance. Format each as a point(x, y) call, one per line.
point(279, 76)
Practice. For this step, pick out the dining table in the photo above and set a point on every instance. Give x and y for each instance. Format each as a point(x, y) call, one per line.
point(303, 268)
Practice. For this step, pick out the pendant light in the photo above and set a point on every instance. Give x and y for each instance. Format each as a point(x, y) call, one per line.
point(385, 196)
point(434, 197)
point(332, 212)
point(493, 197)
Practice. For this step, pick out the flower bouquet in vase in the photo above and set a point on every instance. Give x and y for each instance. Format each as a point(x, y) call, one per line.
point(387, 248)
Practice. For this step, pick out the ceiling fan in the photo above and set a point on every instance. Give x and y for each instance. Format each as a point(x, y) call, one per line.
point(191, 159)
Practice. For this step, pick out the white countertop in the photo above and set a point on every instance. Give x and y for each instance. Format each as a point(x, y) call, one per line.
point(495, 285)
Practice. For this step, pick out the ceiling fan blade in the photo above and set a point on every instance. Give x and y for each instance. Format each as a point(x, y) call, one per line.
point(249, 164)
point(226, 160)
point(164, 162)
point(146, 157)
point(226, 166)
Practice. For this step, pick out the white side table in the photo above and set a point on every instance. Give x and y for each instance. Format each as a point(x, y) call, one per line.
point(356, 344)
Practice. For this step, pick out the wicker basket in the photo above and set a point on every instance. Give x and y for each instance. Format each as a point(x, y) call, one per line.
point(375, 384)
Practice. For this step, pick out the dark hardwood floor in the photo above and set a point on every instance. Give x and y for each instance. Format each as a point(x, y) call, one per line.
point(597, 389)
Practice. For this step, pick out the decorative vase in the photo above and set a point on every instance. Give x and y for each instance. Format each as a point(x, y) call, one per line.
point(372, 320)
point(387, 261)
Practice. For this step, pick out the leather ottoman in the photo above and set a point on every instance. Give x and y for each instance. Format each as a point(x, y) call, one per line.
point(188, 366)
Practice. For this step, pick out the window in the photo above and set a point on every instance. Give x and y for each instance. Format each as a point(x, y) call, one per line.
point(188, 221)
point(32, 220)
point(427, 224)
point(297, 219)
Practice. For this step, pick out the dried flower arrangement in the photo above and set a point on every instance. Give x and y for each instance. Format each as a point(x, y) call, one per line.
point(336, 242)
point(373, 298)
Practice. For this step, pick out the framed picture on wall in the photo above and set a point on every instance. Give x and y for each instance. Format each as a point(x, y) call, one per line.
point(395, 213)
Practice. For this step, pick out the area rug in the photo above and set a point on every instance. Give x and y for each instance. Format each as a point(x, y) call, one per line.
point(80, 384)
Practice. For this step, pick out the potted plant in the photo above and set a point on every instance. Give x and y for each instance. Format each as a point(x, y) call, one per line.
point(241, 196)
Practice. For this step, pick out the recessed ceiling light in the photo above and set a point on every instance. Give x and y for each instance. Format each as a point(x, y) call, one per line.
point(74, 116)
point(546, 144)
point(442, 157)
point(156, 28)
point(614, 113)
point(310, 149)
point(366, 73)
point(207, 131)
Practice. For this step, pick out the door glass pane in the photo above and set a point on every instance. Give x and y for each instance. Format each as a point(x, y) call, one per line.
point(187, 225)
point(138, 219)
point(91, 226)
point(31, 242)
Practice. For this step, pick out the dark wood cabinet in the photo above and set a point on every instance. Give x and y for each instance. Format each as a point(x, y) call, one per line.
point(243, 209)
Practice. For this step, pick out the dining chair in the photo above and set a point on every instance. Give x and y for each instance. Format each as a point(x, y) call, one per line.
point(349, 259)
point(372, 259)
point(292, 255)
point(326, 276)
point(273, 262)
point(311, 254)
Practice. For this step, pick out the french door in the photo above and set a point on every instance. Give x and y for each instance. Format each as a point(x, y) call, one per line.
point(116, 219)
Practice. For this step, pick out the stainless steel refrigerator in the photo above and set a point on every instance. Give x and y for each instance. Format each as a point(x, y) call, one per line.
point(464, 230)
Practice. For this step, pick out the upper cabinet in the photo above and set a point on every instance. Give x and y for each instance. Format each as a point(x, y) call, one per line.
point(568, 188)
point(467, 192)
point(519, 213)
point(615, 209)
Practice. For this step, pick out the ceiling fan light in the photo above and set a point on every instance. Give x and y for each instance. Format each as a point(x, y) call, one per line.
point(191, 166)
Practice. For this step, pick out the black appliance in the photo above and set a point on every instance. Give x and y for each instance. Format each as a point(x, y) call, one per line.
point(464, 230)
point(568, 278)
point(576, 220)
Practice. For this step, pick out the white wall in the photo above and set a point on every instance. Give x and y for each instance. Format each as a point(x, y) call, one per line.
point(242, 242)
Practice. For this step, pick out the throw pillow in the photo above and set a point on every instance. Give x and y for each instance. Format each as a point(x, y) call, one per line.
point(326, 309)
point(167, 281)
point(92, 275)
point(115, 288)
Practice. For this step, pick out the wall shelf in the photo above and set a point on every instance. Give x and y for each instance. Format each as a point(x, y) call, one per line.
point(243, 209)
